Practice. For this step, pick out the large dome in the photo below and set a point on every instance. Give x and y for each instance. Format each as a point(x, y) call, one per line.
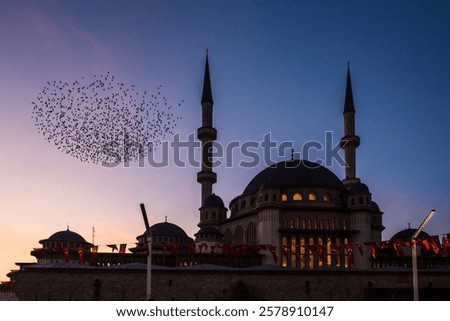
point(66, 236)
point(294, 173)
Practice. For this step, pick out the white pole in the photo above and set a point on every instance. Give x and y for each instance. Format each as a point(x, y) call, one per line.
point(414, 254)
point(149, 268)
point(149, 255)
point(414, 268)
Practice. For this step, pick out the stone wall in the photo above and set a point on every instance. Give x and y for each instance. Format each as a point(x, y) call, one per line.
point(273, 285)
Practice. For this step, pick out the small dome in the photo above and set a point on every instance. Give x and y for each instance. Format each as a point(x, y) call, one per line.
point(407, 234)
point(359, 188)
point(66, 236)
point(167, 229)
point(208, 230)
point(213, 201)
point(294, 173)
point(375, 206)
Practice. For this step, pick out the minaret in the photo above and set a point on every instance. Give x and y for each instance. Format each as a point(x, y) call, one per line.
point(207, 134)
point(350, 141)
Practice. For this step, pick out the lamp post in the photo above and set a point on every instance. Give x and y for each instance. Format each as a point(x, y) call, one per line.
point(414, 254)
point(149, 256)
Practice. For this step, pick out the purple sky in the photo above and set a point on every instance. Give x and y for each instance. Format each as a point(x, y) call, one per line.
point(276, 66)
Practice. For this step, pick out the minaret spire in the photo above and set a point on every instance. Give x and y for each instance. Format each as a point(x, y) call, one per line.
point(207, 134)
point(350, 141)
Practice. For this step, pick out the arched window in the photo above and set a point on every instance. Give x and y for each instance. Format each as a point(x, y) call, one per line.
point(251, 233)
point(243, 204)
point(353, 201)
point(297, 197)
point(238, 235)
point(312, 196)
point(283, 253)
point(283, 197)
point(292, 223)
point(227, 236)
point(253, 201)
point(361, 201)
point(327, 197)
point(293, 252)
point(274, 197)
point(266, 197)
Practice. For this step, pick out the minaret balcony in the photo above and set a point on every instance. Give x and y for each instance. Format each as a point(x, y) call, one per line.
point(350, 141)
point(207, 133)
point(206, 176)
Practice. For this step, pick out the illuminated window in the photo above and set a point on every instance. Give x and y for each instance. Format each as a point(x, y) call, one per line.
point(329, 251)
point(283, 253)
point(283, 197)
point(302, 253)
point(292, 223)
point(327, 198)
point(311, 254)
point(297, 222)
point(320, 261)
point(312, 196)
point(293, 252)
point(297, 197)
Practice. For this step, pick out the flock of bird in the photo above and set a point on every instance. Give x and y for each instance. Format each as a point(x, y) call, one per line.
point(101, 120)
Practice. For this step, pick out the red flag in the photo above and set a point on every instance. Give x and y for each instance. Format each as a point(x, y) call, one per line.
point(80, 250)
point(446, 244)
point(123, 248)
point(273, 250)
point(213, 248)
point(321, 252)
point(398, 246)
point(349, 249)
point(359, 246)
point(426, 244)
point(335, 251)
point(201, 246)
point(66, 253)
point(435, 244)
point(191, 248)
point(383, 245)
point(175, 248)
point(112, 246)
point(373, 248)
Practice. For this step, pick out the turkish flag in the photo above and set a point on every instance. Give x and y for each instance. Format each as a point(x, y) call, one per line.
point(175, 248)
point(349, 249)
point(446, 244)
point(66, 253)
point(80, 250)
point(273, 250)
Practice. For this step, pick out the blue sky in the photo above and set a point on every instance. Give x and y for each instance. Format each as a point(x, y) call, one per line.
point(276, 66)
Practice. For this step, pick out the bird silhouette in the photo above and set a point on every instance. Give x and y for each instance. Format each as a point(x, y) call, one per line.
point(92, 119)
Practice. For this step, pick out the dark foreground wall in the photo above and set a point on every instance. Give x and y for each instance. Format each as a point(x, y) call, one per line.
point(274, 285)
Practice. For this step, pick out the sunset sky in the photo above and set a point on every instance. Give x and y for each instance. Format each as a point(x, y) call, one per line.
point(276, 66)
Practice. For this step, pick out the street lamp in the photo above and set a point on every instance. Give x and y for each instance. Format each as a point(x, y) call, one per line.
point(149, 256)
point(414, 253)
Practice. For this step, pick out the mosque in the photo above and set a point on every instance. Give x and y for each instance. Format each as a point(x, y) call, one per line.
point(294, 215)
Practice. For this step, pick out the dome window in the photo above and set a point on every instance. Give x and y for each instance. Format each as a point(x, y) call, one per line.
point(297, 197)
point(243, 204)
point(283, 197)
point(312, 196)
point(266, 197)
point(327, 198)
